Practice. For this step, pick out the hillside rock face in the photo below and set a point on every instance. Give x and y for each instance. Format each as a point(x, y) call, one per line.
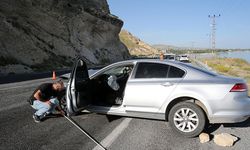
point(48, 34)
point(136, 46)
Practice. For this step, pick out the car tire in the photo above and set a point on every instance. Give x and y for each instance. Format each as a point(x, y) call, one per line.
point(187, 119)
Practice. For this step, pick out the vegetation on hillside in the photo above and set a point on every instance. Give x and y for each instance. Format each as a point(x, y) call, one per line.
point(126, 39)
point(136, 46)
point(230, 66)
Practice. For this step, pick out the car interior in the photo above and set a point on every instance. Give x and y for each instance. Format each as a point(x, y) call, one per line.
point(108, 88)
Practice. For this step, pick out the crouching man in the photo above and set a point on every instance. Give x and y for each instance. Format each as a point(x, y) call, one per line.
point(44, 100)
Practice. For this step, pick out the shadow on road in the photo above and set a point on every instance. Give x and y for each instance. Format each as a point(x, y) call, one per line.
point(109, 117)
point(213, 127)
point(243, 124)
point(112, 117)
point(51, 116)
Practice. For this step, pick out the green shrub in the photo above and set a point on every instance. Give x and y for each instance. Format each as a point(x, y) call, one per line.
point(239, 62)
point(222, 68)
point(247, 68)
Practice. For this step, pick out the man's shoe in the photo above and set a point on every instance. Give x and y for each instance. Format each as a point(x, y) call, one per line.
point(36, 118)
point(52, 114)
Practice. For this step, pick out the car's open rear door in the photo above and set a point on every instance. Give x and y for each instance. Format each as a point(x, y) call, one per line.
point(79, 88)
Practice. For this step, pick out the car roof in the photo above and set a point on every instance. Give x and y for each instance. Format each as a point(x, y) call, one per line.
point(149, 60)
point(165, 61)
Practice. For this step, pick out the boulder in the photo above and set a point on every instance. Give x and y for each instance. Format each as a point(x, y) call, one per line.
point(225, 139)
point(204, 137)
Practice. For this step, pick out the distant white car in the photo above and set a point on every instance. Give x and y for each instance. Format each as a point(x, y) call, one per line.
point(180, 93)
point(182, 58)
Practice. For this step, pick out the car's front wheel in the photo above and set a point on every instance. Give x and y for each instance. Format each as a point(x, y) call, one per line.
point(187, 119)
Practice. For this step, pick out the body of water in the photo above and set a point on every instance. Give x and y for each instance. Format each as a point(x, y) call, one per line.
point(232, 54)
point(236, 54)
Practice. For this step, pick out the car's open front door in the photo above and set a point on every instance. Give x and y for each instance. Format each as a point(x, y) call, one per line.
point(79, 88)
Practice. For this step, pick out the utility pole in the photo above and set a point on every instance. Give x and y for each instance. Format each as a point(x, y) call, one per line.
point(213, 30)
point(209, 39)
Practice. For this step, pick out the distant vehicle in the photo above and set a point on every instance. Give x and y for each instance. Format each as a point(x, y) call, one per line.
point(169, 56)
point(182, 58)
point(177, 92)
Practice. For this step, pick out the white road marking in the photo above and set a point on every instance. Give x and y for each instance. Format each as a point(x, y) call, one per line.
point(108, 140)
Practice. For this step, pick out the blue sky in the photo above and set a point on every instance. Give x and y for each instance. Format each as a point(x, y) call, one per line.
point(185, 22)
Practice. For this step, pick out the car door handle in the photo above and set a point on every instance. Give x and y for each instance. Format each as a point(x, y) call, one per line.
point(167, 84)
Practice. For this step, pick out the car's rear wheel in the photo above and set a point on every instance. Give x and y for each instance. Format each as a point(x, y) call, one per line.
point(187, 119)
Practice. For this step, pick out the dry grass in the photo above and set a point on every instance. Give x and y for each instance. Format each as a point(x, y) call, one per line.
point(136, 46)
point(230, 67)
point(128, 40)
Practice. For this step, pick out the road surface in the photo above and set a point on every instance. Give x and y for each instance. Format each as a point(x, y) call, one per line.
point(19, 131)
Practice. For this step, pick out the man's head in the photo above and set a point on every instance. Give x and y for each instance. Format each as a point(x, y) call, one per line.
point(58, 85)
point(161, 56)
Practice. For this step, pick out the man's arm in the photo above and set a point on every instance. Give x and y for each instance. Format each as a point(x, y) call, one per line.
point(38, 96)
point(60, 110)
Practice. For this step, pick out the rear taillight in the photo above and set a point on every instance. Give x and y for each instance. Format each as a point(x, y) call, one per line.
point(239, 87)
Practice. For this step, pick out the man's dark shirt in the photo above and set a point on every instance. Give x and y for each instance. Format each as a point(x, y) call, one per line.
point(47, 92)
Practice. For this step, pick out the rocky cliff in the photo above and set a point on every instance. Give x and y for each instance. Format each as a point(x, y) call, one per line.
point(136, 46)
point(39, 35)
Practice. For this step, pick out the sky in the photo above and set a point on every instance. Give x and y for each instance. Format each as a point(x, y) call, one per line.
point(185, 23)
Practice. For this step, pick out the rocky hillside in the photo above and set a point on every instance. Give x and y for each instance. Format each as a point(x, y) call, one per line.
point(136, 46)
point(38, 35)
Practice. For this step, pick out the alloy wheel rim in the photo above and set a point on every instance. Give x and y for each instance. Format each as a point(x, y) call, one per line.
point(186, 120)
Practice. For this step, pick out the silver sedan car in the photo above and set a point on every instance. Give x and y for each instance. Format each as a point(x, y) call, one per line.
point(186, 96)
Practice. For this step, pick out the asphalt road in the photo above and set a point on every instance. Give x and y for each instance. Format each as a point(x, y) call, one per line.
point(19, 131)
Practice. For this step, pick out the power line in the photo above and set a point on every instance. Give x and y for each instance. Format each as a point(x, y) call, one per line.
point(213, 29)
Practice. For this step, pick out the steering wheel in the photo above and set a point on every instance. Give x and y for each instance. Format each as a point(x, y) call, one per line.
point(126, 70)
